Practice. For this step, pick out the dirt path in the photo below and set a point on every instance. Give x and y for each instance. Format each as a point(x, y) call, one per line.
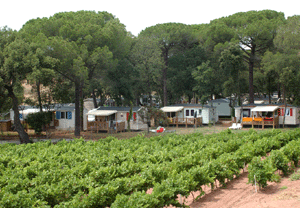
point(239, 194)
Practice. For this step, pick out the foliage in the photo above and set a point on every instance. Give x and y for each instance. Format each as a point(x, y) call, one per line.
point(292, 152)
point(172, 39)
point(148, 113)
point(233, 71)
point(295, 176)
point(261, 171)
point(84, 44)
point(93, 55)
point(119, 82)
point(181, 66)
point(284, 64)
point(117, 173)
point(280, 161)
point(205, 76)
point(283, 187)
point(254, 31)
point(148, 63)
point(5, 101)
point(38, 120)
point(17, 59)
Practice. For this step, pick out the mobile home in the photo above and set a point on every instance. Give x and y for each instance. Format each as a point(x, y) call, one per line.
point(184, 113)
point(222, 107)
point(108, 118)
point(267, 114)
point(63, 115)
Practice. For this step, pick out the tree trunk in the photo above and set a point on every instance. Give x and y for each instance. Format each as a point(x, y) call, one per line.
point(39, 95)
point(251, 67)
point(38, 89)
point(164, 73)
point(189, 98)
point(150, 97)
point(240, 102)
point(279, 92)
point(81, 105)
point(251, 87)
point(101, 100)
point(270, 90)
point(165, 86)
point(239, 97)
point(94, 99)
point(24, 138)
point(77, 109)
point(284, 101)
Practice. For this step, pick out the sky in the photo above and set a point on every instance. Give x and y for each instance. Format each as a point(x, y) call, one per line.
point(137, 15)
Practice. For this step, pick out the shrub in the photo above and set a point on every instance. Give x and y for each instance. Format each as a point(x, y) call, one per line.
point(263, 170)
point(280, 161)
point(38, 120)
point(295, 176)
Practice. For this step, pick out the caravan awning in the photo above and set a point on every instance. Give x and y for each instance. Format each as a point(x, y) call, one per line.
point(265, 108)
point(168, 109)
point(102, 112)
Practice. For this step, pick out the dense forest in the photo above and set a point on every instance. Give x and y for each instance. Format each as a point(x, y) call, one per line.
point(76, 55)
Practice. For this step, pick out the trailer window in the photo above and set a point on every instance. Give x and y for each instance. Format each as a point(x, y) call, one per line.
point(187, 112)
point(192, 112)
point(200, 112)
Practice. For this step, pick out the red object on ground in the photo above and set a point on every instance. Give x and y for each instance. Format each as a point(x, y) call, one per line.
point(160, 130)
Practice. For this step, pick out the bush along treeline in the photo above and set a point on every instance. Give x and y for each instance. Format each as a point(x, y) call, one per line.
point(71, 56)
point(39, 120)
point(119, 173)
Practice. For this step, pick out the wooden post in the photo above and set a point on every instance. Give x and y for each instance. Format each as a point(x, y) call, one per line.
point(252, 117)
point(107, 125)
point(185, 122)
point(168, 119)
point(273, 119)
point(263, 123)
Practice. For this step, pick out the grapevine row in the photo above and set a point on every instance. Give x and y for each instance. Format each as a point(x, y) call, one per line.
point(105, 173)
point(262, 171)
point(224, 167)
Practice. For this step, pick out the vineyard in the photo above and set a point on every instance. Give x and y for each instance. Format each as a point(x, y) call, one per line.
point(120, 173)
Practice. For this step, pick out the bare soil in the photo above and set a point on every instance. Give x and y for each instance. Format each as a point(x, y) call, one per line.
point(239, 194)
point(88, 135)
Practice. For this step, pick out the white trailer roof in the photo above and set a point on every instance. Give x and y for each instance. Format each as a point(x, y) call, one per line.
point(101, 112)
point(265, 108)
point(167, 109)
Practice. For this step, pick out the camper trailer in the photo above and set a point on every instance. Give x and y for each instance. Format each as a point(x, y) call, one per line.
point(189, 114)
point(267, 114)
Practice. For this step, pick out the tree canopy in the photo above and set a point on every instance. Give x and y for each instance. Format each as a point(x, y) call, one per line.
point(85, 45)
point(172, 38)
point(77, 55)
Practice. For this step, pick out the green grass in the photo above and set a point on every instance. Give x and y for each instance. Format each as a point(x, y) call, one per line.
point(283, 187)
point(295, 176)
